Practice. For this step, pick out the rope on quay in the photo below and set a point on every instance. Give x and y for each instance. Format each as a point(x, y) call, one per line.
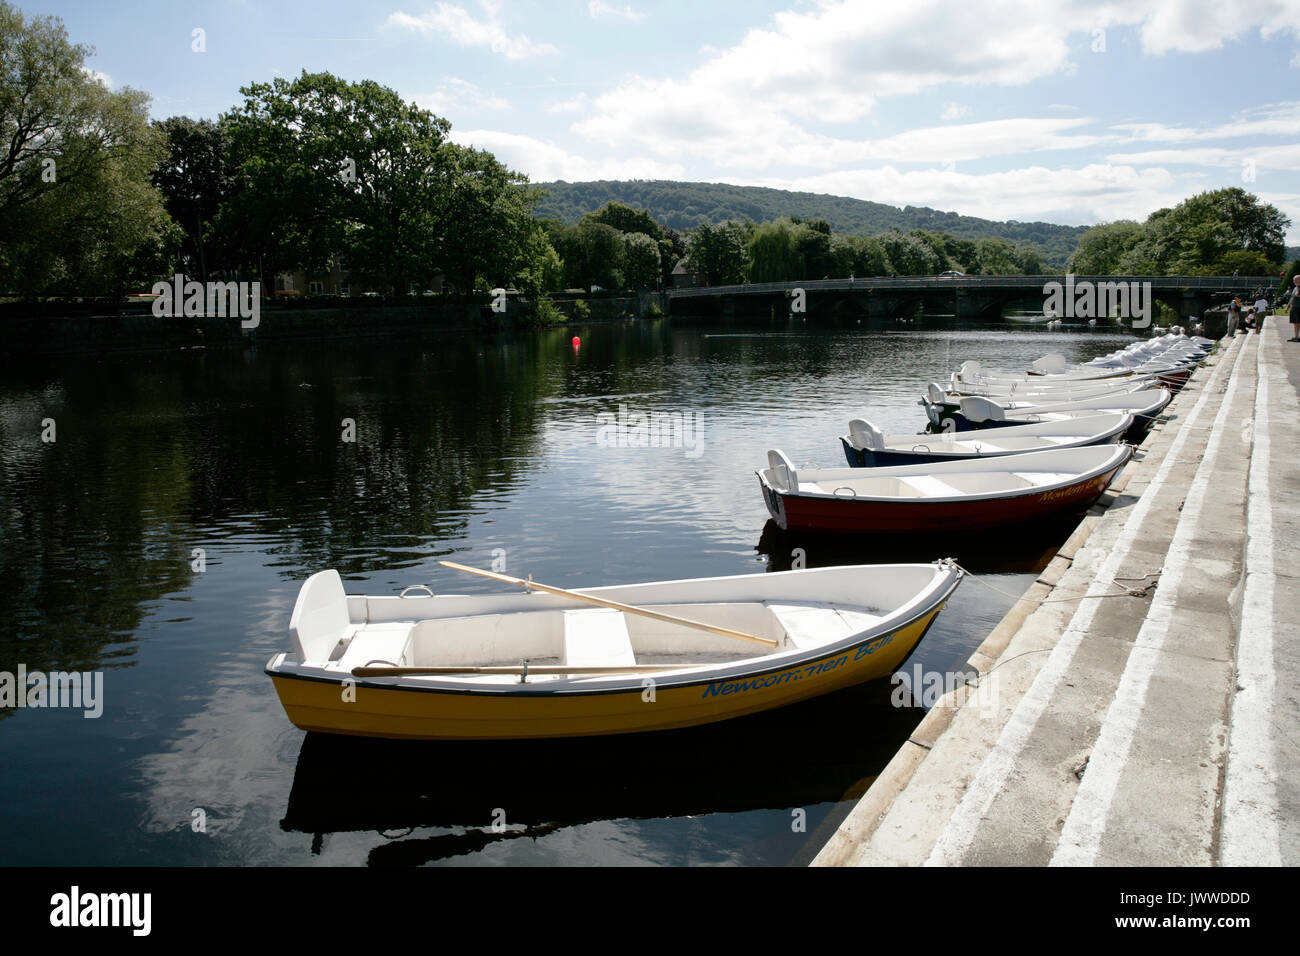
point(1114, 582)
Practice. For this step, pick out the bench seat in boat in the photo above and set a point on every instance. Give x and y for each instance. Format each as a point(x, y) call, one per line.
point(597, 637)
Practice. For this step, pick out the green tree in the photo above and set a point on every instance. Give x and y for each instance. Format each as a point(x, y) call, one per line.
point(77, 210)
point(194, 181)
point(593, 253)
point(995, 257)
point(772, 254)
point(1102, 248)
point(1247, 262)
point(812, 244)
point(541, 270)
point(482, 222)
point(872, 257)
point(718, 252)
point(641, 260)
point(628, 220)
point(911, 256)
point(1028, 261)
point(1288, 277)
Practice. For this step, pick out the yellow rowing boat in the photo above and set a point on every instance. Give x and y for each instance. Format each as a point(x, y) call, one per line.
point(547, 664)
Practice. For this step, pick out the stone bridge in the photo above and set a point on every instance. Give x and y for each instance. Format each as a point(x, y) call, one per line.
point(966, 297)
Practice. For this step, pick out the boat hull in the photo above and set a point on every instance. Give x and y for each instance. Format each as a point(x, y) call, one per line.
point(821, 514)
point(533, 711)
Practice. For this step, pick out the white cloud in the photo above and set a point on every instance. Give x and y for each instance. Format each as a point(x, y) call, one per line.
point(1089, 194)
point(1275, 119)
point(1263, 157)
point(599, 10)
point(545, 161)
point(952, 111)
point(103, 79)
point(758, 101)
point(462, 28)
point(577, 104)
point(454, 94)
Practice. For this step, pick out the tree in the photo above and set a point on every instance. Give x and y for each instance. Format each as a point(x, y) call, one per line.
point(1102, 247)
point(1028, 261)
point(872, 259)
point(995, 257)
point(482, 219)
point(326, 167)
point(910, 255)
point(718, 252)
point(628, 220)
point(77, 210)
point(812, 244)
point(1247, 262)
point(1288, 277)
point(641, 260)
point(194, 181)
point(772, 254)
point(541, 270)
point(1194, 237)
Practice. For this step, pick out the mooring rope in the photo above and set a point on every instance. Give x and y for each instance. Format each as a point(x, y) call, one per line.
point(1114, 582)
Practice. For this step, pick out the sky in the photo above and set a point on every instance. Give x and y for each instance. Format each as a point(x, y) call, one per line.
point(1066, 112)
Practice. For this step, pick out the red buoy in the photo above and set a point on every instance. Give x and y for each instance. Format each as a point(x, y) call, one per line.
point(577, 343)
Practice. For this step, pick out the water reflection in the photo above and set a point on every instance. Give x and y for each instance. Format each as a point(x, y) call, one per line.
point(163, 535)
point(811, 753)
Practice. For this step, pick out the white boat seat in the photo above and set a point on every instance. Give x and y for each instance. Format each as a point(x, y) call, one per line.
point(1042, 477)
point(812, 625)
point(377, 642)
point(597, 638)
point(930, 487)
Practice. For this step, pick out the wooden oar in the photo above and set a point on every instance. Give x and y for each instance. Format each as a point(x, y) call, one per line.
point(602, 602)
point(393, 671)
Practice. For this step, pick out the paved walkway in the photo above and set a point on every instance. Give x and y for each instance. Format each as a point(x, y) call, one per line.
point(1141, 706)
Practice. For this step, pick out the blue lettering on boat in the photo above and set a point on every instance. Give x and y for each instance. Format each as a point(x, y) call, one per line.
point(724, 688)
point(872, 646)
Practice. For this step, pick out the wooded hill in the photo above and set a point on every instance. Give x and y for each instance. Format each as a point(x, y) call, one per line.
point(682, 206)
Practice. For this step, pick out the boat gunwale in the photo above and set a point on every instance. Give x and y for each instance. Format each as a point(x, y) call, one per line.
point(928, 600)
point(1082, 478)
point(1106, 437)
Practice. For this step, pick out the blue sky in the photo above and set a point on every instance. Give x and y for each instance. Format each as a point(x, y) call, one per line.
point(1068, 112)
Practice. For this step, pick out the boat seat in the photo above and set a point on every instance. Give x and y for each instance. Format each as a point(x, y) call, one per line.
point(931, 487)
point(597, 638)
point(812, 625)
point(1042, 477)
point(377, 642)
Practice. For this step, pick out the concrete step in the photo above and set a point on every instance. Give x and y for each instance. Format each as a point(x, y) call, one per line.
point(1101, 734)
point(1261, 804)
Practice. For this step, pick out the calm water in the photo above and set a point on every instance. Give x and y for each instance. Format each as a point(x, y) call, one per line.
point(462, 447)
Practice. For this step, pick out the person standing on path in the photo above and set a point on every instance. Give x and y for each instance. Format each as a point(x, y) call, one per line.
point(1234, 315)
point(1261, 309)
point(1295, 311)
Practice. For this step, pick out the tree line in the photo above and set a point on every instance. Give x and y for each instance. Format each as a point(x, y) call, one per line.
point(1221, 232)
point(317, 171)
point(684, 205)
point(791, 249)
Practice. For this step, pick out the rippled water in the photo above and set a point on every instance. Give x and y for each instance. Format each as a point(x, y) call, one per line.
point(234, 462)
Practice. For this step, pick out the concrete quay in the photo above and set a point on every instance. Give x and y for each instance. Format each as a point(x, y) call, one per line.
point(1139, 707)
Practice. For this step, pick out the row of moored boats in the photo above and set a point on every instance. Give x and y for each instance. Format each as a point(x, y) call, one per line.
point(550, 662)
point(1004, 448)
